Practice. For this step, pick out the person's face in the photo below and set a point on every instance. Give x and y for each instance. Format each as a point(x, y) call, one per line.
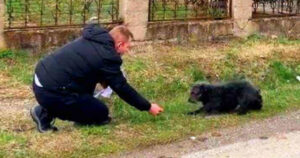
point(123, 47)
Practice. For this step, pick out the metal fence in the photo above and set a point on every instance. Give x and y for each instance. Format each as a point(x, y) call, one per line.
point(267, 8)
point(161, 10)
point(45, 13)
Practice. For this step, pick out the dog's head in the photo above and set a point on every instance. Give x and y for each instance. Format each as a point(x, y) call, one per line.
point(197, 92)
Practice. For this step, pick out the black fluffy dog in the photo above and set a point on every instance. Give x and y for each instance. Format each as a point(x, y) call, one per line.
point(237, 96)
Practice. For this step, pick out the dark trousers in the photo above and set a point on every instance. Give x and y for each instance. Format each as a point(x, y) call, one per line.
point(80, 108)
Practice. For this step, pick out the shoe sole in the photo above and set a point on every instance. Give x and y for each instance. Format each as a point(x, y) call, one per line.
point(36, 120)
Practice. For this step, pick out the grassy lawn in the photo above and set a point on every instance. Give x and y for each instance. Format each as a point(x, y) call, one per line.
point(163, 74)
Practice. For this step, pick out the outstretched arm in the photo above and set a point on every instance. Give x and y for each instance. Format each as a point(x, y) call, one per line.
point(114, 77)
point(119, 84)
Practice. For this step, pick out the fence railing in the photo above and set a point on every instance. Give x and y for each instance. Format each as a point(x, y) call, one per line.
point(267, 8)
point(45, 13)
point(160, 10)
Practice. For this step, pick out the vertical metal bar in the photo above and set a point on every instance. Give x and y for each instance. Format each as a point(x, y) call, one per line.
point(71, 12)
point(264, 7)
point(99, 11)
point(298, 7)
point(282, 1)
point(288, 8)
point(26, 12)
point(291, 6)
point(164, 9)
point(117, 9)
point(175, 9)
point(278, 6)
point(150, 10)
point(10, 10)
point(186, 3)
point(273, 6)
point(196, 6)
point(154, 9)
point(230, 8)
point(41, 12)
point(56, 12)
point(112, 10)
point(84, 12)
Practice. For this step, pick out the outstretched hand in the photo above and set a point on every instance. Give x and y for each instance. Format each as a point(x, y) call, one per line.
point(155, 109)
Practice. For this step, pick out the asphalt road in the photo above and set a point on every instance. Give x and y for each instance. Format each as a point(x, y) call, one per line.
point(278, 146)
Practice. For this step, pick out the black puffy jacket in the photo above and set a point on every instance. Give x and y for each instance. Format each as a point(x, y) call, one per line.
point(81, 64)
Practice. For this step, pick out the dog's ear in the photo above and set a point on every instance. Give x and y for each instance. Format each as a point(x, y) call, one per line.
point(199, 88)
point(203, 87)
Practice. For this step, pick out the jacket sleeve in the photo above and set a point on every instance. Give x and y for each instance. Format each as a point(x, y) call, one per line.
point(119, 84)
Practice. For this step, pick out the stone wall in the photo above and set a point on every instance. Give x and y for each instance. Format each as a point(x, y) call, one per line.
point(42, 39)
point(283, 26)
point(37, 40)
point(191, 30)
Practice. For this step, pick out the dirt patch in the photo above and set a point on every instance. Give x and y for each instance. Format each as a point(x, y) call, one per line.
point(14, 115)
point(289, 53)
point(10, 89)
point(60, 142)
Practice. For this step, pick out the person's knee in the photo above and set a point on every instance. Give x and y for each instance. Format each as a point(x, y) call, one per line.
point(104, 111)
point(101, 114)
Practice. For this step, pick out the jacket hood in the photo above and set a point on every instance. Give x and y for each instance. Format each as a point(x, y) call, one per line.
point(94, 32)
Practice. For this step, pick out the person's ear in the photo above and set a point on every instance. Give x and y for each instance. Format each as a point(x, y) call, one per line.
point(119, 44)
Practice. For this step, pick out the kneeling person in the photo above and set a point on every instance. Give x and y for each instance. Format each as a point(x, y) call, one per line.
point(64, 81)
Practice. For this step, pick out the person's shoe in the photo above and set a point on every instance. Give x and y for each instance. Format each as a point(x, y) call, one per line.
point(42, 119)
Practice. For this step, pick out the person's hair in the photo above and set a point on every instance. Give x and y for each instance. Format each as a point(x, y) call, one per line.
point(122, 29)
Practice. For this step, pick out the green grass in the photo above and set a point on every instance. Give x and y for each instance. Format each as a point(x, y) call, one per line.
point(19, 65)
point(164, 75)
point(16, 143)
